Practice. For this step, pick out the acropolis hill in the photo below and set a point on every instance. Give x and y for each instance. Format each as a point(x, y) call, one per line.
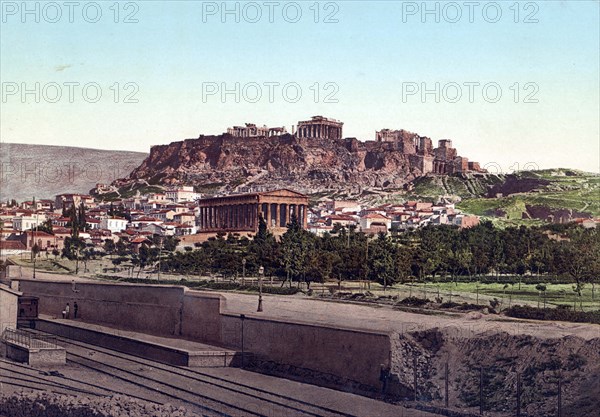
point(314, 157)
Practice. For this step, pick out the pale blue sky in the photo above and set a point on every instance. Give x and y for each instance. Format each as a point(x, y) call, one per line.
point(370, 53)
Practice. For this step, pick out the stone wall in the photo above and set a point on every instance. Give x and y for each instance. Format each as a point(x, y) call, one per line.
point(354, 355)
point(348, 354)
point(8, 308)
point(144, 308)
point(201, 318)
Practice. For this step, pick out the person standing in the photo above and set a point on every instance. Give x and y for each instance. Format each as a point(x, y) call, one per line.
point(67, 309)
point(75, 309)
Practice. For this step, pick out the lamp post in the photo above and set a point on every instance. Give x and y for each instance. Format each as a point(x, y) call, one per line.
point(243, 271)
point(261, 271)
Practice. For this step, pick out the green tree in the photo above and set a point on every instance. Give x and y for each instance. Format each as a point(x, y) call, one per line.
point(296, 244)
point(72, 249)
point(381, 261)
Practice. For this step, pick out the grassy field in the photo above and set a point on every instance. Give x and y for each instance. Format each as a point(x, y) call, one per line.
point(556, 294)
point(475, 293)
point(568, 189)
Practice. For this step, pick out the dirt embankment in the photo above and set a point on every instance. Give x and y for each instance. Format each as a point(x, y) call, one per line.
point(47, 404)
point(498, 360)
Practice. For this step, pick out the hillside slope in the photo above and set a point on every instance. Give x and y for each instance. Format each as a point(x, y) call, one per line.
point(43, 171)
point(557, 195)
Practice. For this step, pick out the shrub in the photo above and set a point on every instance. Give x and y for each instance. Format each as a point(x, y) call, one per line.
point(562, 313)
point(413, 302)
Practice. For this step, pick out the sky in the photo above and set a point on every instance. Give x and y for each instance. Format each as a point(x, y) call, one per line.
point(515, 85)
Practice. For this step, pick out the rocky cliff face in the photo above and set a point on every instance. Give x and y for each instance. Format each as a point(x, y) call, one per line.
point(308, 165)
point(225, 163)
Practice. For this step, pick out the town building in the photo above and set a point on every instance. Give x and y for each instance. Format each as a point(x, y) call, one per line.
point(22, 223)
point(114, 224)
point(67, 201)
point(182, 194)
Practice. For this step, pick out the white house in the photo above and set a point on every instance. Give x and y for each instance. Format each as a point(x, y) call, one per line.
point(114, 224)
point(22, 223)
point(182, 194)
point(370, 220)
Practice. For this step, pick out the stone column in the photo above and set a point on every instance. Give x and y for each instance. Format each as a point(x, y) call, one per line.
point(276, 216)
point(286, 208)
point(301, 213)
point(267, 214)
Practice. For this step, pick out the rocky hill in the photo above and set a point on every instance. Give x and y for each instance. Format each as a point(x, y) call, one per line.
point(42, 171)
point(226, 163)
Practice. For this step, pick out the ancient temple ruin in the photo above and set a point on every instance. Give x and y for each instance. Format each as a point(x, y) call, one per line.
point(250, 130)
point(320, 127)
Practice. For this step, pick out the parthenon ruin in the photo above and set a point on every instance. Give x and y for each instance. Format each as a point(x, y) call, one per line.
point(241, 212)
point(320, 127)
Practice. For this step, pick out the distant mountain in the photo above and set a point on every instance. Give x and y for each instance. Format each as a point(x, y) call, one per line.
point(42, 171)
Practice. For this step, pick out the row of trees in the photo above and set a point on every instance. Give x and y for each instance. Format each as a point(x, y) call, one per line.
point(427, 253)
point(347, 254)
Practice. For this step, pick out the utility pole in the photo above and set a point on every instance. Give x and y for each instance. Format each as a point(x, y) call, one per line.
point(242, 318)
point(37, 219)
point(415, 387)
point(481, 391)
point(446, 374)
point(160, 245)
point(518, 395)
point(559, 405)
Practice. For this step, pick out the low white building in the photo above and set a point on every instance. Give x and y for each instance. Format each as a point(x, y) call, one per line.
point(114, 224)
point(22, 223)
point(182, 194)
point(375, 219)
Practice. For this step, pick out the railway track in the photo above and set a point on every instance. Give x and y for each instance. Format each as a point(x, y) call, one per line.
point(214, 394)
point(31, 375)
